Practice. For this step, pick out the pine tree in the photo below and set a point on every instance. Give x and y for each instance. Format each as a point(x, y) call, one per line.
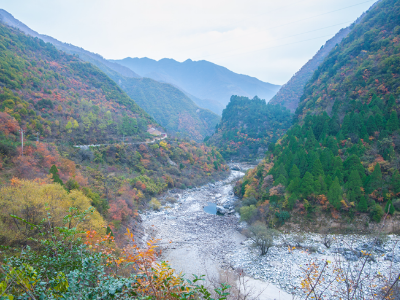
point(335, 194)
point(311, 141)
point(371, 126)
point(328, 181)
point(362, 205)
point(346, 125)
point(354, 185)
point(393, 122)
point(389, 208)
point(294, 172)
point(375, 180)
point(281, 180)
point(379, 121)
point(317, 169)
point(294, 186)
point(396, 182)
point(56, 176)
point(307, 185)
point(353, 163)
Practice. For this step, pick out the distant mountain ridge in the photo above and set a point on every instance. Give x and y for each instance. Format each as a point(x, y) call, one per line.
point(169, 106)
point(210, 84)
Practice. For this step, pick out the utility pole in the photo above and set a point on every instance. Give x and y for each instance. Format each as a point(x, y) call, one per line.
point(22, 141)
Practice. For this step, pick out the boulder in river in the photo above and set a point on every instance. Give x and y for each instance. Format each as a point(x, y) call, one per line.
point(236, 168)
point(221, 210)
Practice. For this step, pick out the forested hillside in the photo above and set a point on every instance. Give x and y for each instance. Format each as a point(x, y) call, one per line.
point(170, 107)
point(57, 96)
point(248, 126)
point(342, 155)
point(60, 101)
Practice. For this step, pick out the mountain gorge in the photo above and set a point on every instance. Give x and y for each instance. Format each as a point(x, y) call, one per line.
point(208, 84)
point(171, 108)
point(341, 156)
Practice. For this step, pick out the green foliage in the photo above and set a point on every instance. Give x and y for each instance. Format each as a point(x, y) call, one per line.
point(247, 212)
point(389, 209)
point(55, 176)
point(248, 125)
point(377, 213)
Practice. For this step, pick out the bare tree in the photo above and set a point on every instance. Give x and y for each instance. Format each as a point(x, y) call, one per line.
point(262, 236)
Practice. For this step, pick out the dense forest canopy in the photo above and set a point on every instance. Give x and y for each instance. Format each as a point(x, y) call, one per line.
point(248, 126)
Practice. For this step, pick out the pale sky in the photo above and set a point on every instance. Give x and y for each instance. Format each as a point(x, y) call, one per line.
point(267, 39)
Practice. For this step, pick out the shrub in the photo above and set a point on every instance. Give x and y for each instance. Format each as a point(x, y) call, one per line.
point(247, 212)
point(377, 213)
point(154, 204)
point(262, 236)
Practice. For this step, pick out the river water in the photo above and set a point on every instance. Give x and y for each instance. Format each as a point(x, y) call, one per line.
point(203, 243)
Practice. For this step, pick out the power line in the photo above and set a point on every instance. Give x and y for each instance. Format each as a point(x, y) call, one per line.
point(284, 38)
point(329, 12)
point(279, 45)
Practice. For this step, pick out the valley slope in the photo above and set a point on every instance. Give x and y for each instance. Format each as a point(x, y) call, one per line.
point(170, 107)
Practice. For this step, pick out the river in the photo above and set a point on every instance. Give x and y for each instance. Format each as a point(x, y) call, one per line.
point(196, 242)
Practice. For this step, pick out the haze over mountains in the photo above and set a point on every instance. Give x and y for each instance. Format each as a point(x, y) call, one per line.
point(208, 84)
point(168, 105)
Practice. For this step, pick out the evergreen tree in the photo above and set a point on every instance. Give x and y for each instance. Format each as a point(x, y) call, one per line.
point(354, 185)
point(332, 145)
point(389, 208)
point(294, 186)
point(380, 121)
point(375, 180)
point(317, 169)
point(346, 125)
point(371, 126)
point(292, 201)
point(328, 181)
point(281, 180)
point(311, 141)
point(393, 122)
point(353, 163)
point(294, 172)
point(307, 185)
point(396, 182)
point(335, 194)
point(56, 176)
point(362, 205)
point(317, 187)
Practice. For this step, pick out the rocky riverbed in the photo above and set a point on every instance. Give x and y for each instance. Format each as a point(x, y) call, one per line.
point(196, 242)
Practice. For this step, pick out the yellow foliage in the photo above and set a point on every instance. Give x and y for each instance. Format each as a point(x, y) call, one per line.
point(32, 201)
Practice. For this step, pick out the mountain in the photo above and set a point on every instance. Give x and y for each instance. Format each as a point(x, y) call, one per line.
point(52, 101)
point(341, 156)
point(170, 107)
point(61, 97)
point(248, 126)
point(210, 84)
point(290, 93)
